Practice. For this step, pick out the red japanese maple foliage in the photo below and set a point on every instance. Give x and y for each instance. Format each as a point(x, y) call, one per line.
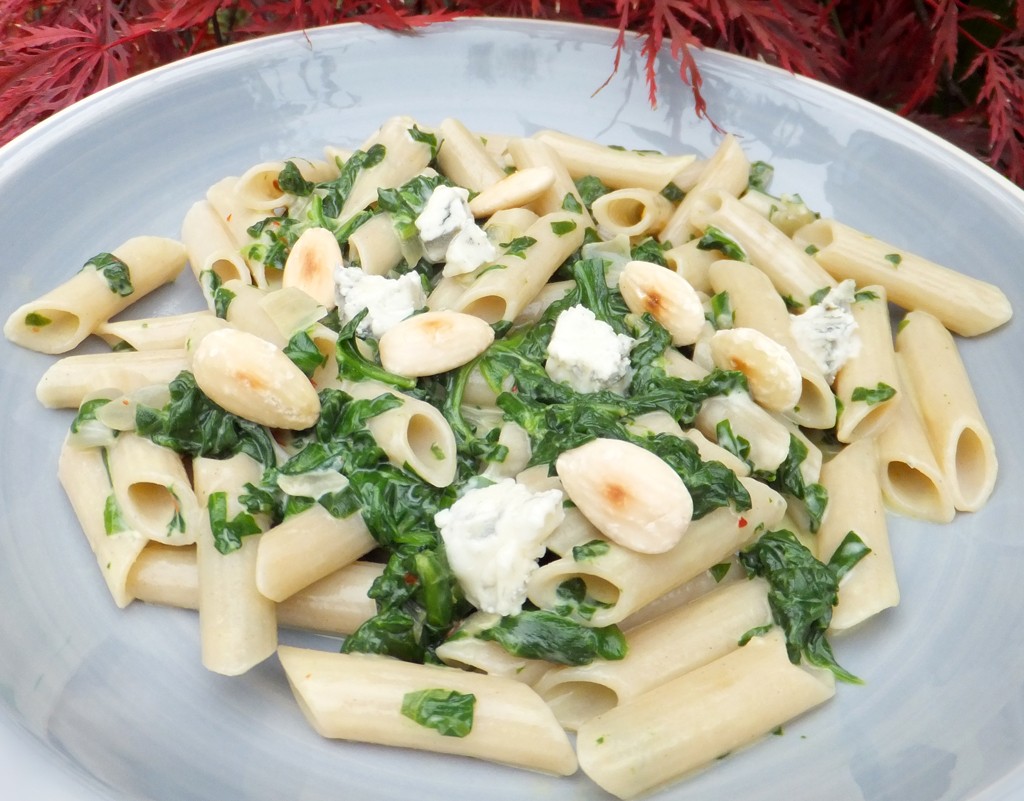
point(956, 67)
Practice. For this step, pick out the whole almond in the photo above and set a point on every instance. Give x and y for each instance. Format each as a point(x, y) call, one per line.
point(311, 264)
point(630, 494)
point(252, 378)
point(433, 342)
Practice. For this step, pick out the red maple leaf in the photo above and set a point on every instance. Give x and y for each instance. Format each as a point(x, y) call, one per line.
point(1001, 102)
point(47, 67)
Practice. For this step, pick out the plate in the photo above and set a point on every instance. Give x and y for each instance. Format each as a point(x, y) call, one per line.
point(97, 703)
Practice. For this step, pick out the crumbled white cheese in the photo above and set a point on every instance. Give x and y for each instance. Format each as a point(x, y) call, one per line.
point(468, 250)
point(493, 536)
point(449, 233)
point(827, 331)
point(587, 353)
point(443, 216)
point(387, 300)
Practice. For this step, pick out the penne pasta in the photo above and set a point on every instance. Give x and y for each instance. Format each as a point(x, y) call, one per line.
point(696, 718)
point(964, 304)
point(942, 390)
point(360, 697)
point(107, 284)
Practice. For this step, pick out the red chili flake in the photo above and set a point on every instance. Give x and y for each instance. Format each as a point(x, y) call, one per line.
point(742, 522)
point(410, 579)
point(230, 215)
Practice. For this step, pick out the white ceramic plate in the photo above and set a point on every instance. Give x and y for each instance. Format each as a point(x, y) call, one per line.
point(97, 703)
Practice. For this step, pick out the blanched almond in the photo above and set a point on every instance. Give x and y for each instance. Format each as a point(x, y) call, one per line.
point(628, 493)
point(667, 296)
point(250, 377)
point(514, 191)
point(772, 374)
point(433, 342)
point(311, 264)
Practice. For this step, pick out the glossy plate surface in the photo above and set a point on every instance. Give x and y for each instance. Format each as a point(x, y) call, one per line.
point(97, 703)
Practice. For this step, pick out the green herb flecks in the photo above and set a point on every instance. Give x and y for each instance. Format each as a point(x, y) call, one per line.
point(113, 519)
point(114, 271)
point(518, 246)
point(539, 634)
point(760, 177)
point(716, 239)
point(304, 353)
point(424, 138)
point(590, 188)
point(37, 320)
point(721, 315)
point(228, 532)
point(788, 479)
point(672, 193)
point(881, 392)
point(572, 204)
point(448, 712)
point(590, 550)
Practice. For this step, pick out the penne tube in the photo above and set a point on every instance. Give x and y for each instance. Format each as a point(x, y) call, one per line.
point(508, 224)
point(170, 332)
point(405, 157)
point(258, 187)
point(692, 263)
point(868, 385)
point(794, 273)
point(211, 246)
point(660, 650)
point(912, 483)
point(62, 318)
point(502, 290)
point(463, 158)
point(307, 546)
point(361, 697)
point(693, 720)
point(414, 435)
point(153, 490)
point(237, 624)
point(627, 581)
point(238, 220)
point(375, 246)
point(337, 604)
point(83, 476)
point(768, 437)
point(69, 381)
point(465, 651)
point(526, 153)
point(855, 504)
point(940, 385)
point(965, 305)
point(727, 170)
point(615, 167)
point(244, 309)
point(756, 305)
point(635, 212)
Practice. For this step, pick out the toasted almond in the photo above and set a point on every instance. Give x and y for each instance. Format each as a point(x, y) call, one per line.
point(252, 378)
point(433, 342)
point(311, 264)
point(772, 374)
point(628, 493)
point(667, 296)
point(514, 191)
